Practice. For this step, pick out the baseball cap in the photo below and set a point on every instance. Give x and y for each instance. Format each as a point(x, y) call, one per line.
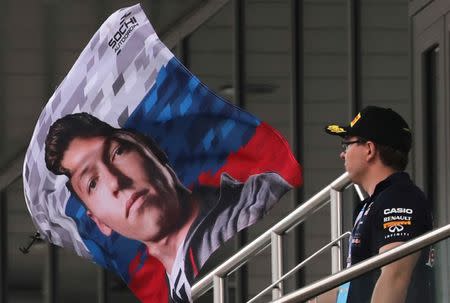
point(380, 125)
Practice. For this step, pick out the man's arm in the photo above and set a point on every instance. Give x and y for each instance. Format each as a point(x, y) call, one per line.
point(392, 285)
point(328, 297)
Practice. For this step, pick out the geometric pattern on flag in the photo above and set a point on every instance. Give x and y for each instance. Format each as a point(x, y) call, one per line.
point(90, 86)
point(170, 117)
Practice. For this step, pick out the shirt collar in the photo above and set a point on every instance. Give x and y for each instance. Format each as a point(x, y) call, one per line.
point(395, 178)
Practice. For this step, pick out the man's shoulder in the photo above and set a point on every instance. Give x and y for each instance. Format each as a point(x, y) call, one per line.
point(406, 192)
point(405, 196)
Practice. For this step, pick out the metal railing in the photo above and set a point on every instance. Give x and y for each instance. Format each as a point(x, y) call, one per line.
point(331, 193)
point(377, 261)
point(274, 285)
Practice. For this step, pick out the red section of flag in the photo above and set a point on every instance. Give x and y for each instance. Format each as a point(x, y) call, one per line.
point(193, 264)
point(148, 283)
point(267, 151)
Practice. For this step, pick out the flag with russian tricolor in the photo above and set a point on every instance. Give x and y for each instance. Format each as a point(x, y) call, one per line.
point(136, 165)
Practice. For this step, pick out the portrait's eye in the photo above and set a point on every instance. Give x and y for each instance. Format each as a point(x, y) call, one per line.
point(118, 150)
point(92, 184)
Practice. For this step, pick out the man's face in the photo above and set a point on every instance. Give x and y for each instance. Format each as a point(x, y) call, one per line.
point(123, 190)
point(354, 158)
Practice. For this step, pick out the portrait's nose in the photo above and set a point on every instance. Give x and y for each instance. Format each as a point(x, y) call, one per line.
point(116, 180)
point(112, 181)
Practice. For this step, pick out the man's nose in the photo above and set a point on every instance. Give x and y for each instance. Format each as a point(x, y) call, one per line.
point(342, 155)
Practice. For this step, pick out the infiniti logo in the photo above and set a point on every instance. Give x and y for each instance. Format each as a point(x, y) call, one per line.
point(396, 228)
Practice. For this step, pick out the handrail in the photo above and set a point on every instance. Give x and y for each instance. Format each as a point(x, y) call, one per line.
point(286, 224)
point(377, 261)
point(299, 266)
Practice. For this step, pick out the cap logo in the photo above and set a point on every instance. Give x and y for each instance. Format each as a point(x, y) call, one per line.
point(406, 129)
point(356, 119)
point(336, 129)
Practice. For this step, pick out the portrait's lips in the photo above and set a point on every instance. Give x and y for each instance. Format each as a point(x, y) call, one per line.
point(134, 197)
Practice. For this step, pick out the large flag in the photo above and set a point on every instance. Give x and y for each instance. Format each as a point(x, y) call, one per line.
point(136, 165)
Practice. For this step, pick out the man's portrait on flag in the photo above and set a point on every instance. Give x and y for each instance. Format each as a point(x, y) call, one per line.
point(136, 165)
point(127, 186)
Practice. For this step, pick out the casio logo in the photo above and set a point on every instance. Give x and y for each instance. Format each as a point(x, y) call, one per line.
point(388, 211)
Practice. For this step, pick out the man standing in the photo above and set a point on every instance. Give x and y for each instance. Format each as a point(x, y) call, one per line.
point(375, 153)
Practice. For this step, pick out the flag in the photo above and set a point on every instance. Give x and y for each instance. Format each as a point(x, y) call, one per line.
point(137, 166)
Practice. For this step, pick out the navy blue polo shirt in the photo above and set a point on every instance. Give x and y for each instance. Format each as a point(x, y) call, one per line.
point(396, 212)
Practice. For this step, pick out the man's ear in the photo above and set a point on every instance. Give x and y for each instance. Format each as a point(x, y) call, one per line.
point(105, 229)
point(371, 150)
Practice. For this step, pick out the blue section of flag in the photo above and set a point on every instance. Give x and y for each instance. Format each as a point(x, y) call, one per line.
point(99, 245)
point(197, 130)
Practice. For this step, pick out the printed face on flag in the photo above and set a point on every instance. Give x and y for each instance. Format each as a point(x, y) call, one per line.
point(136, 165)
point(123, 189)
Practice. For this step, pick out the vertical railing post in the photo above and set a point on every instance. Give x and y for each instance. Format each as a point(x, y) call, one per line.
point(336, 229)
point(219, 289)
point(102, 285)
point(3, 248)
point(277, 264)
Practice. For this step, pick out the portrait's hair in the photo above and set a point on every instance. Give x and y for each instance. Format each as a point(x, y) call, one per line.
point(67, 128)
point(393, 158)
point(143, 144)
point(83, 125)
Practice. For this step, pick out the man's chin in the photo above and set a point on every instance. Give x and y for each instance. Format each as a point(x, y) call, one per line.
point(351, 176)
